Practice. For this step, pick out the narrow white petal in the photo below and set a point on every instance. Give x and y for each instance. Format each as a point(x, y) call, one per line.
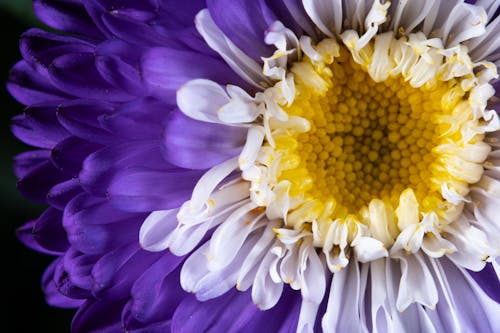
point(436, 246)
point(248, 155)
point(465, 22)
point(486, 45)
point(407, 211)
point(231, 235)
point(342, 312)
point(156, 230)
point(375, 17)
point(409, 14)
point(243, 65)
point(313, 287)
point(200, 99)
point(369, 249)
point(417, 284)
point(289, 269)
point(380, 309)
point(209, 181)
point(186, 237)
point(253, 260)
point(327, 15)
point(238, 111)
point(381, 65)
point(205, 283)
point(464, 298)
point(472, 245)
point(266, 292)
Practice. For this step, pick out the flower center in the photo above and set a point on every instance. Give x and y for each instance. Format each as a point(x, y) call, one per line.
point(367, 140)
point(375, 138)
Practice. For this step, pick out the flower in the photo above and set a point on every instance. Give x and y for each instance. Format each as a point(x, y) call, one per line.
point(333, 163)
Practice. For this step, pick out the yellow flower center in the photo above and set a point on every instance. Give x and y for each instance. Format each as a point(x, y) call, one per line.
point(384, 141)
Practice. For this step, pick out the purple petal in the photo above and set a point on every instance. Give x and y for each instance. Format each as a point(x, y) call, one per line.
point(123, 23)
point(142, 190)
point(117, 62)
point(116, 272)
point(177, 14)
point(64, 192)
point(194, 144)
point(66, 15)
point(25, 235)
point(98, 317)
point(77, 75)
point(52, 295)
point(81, 118)
point(69, 154)
point(157, 293)
point(100, 168)
point(49, 232)
point(66, 286)
point(40, 48)
point(488, 281)
point(92, 225)
point(78, 267)
point(36, 184)
point(165, 70)
point(30, 87)
point(38, 126)
point(244, 23)
point(141, 119)
point(27, 162)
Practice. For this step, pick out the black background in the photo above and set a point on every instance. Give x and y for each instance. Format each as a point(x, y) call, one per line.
point(22, 268)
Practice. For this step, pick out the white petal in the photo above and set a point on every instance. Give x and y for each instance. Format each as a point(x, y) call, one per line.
point(409, 14)
point(206, 284)
point(313, 287)
point(436, 246)
point(466, 306)
point(376, 16)
point(243, 65)
point(472, 245)
point(208, 182)
point(469, 22)
point(238, 111)
point(231, 235)
point(248, 155)
point(446, 300)
point(253, 260)
point(156, 229)
point(186, 237)
point(381, 221)
point(200, 99)
point(266, 292)
point(407, 211)
point(380, 307)
point(342, 312)
point(381, 65)
point(325, 14)
point(487, 45)
point(278, 208)
point(369, 249)
point(289, 268)
point(417, 284)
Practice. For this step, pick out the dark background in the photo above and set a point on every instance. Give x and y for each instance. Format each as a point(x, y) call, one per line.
point(22, 268)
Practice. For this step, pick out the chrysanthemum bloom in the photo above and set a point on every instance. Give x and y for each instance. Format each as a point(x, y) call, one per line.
point(265, 165)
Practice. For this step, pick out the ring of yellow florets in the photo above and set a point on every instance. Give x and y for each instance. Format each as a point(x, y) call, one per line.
point(384, 146)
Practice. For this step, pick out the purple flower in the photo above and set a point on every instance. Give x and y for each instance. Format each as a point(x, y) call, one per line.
point(264, 165)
